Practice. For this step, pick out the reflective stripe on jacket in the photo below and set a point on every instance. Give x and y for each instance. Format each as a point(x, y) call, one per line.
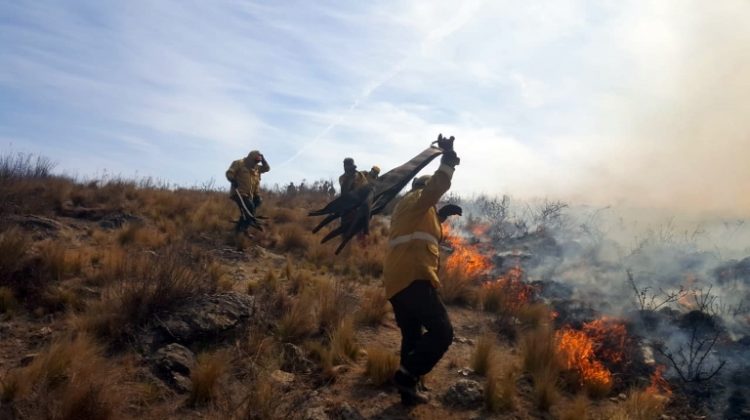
point(413, 252)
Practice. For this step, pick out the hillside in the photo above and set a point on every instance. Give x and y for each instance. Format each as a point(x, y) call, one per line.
point(127, 299)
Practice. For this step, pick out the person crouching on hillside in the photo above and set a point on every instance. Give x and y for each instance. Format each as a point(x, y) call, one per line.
point(244, 175)
point(411, 278)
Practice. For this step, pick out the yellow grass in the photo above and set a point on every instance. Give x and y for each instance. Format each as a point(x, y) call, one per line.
point(294, 238)
point(381, 365)
point(457, 288)
point(483, 355)
point(540, 360)
point(500, 391)
point(69, 380)
point(640, 405)
point(373, 306)
point(344, 343)
point(299, 320)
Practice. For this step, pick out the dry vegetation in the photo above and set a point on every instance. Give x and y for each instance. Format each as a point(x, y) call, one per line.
point(95, 261)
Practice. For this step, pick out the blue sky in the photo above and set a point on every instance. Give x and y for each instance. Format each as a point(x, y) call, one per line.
point(598, 101)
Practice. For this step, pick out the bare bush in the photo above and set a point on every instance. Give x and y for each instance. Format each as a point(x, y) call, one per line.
point(648, 300)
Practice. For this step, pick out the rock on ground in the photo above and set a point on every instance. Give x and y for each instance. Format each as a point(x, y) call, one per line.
point(465, 393)
point(173, 364)
point(207, 318)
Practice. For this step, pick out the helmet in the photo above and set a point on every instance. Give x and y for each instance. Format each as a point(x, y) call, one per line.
point(254, 156)
point(375, 169)
point(420, 182)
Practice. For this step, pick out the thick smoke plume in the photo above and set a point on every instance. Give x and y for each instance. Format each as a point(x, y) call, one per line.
point(679, 136)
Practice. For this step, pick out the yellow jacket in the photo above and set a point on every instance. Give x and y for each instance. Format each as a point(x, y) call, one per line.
point(352, 182)
point(413, 252)
point(247, 179)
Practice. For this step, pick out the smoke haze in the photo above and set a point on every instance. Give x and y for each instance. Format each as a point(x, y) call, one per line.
point(682, 131)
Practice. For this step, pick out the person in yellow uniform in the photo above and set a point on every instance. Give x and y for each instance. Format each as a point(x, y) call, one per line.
point(244, 176)
point(411, 278)
point(373, 174)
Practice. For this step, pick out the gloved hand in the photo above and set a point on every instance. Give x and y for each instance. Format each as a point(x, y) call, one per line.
point(445, 143)
point(449, 210)
point(450, 158)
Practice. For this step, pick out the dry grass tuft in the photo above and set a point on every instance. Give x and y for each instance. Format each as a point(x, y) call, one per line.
point(299, 321)
point(344, 343)
point(373, 307)
point(281, 215)
point(144, 236)
point(69, 380)
point(294, 238)
point(541, 361)
point(14, 245)
point(534, 316)
point(263, 400)
point(381, 365)
point(578, 409)
point(205, 377)
point(641, 405)
point(500, 390)
point(545, 390)
point(149, 284)
point(325, 357)
point(457, 288)
point(484, 353)
point(331, 303)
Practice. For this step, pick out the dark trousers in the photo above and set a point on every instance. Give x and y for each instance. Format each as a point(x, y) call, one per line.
point(415, 307)
point(247, 205)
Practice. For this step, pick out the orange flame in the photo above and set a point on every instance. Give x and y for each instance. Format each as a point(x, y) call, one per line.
point(577, 351)
point(480, 230)
point(465, 258)
point(609, 336)
point(659, 385)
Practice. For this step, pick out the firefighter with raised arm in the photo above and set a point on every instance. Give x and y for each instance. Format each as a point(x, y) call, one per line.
point(244, 175)
point(411, 276)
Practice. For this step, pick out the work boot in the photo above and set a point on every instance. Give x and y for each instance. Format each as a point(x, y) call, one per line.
point(407, 387)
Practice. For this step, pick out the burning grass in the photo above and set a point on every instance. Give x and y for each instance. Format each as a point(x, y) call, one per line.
point(460, 272)
point(590, 354)
point(577, 354)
